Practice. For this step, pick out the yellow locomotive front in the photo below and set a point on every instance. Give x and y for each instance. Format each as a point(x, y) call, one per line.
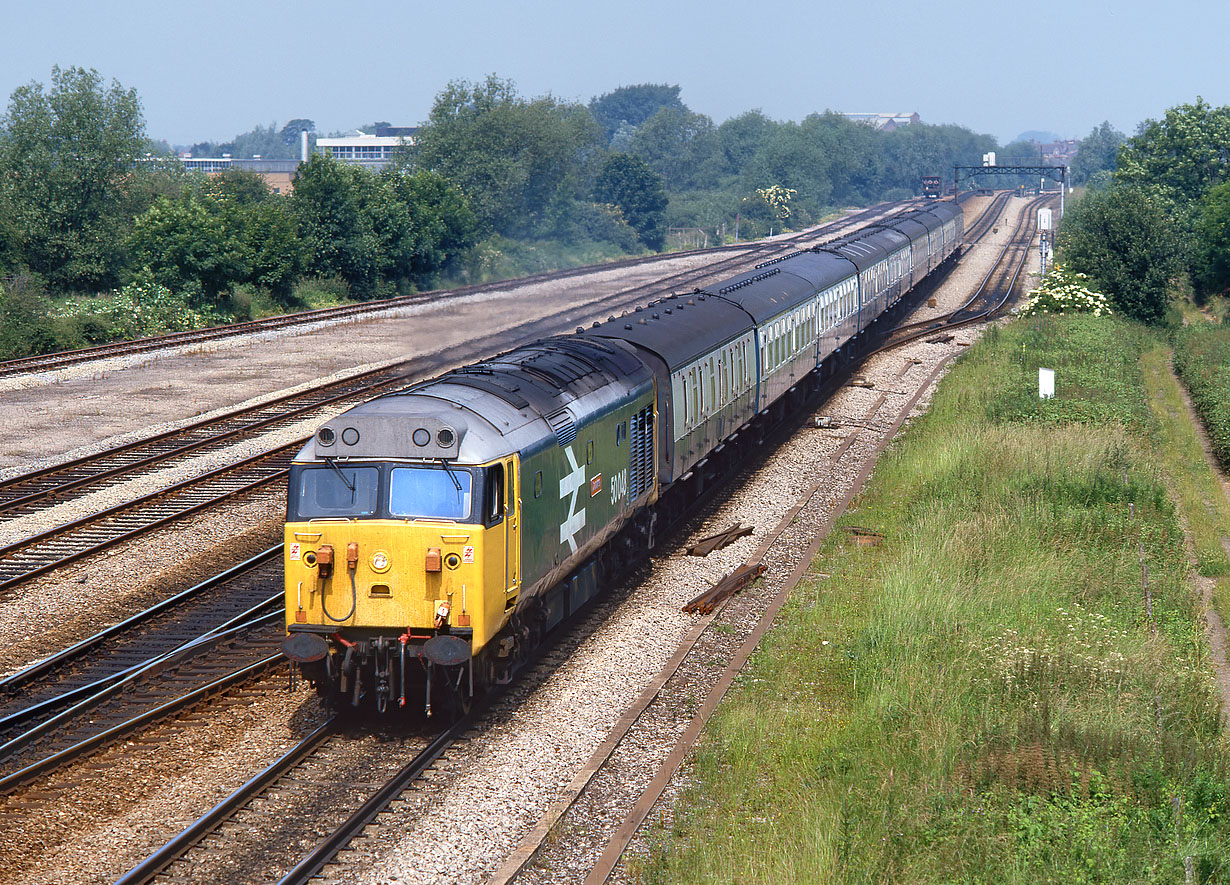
point(399, 570)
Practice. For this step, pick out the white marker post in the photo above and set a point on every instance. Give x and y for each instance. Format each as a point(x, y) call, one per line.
point(1046, 383)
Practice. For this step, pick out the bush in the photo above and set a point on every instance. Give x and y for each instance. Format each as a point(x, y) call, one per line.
point(1065, 291)
point(1202, 359)
point(140, 309)
point(313, 292)
point(25, 329)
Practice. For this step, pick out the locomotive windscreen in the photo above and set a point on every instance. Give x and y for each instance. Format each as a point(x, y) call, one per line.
point(430, 492)
point(337, 491)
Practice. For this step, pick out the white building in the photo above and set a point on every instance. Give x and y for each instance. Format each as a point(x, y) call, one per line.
point(374, 151)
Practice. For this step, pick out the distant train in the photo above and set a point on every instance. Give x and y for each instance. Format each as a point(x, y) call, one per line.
point(433, 535)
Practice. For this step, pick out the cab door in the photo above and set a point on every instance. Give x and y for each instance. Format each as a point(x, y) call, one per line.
point(512, 527)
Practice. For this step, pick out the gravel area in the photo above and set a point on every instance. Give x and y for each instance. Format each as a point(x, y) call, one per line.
point(53, 415)
point(503, 780)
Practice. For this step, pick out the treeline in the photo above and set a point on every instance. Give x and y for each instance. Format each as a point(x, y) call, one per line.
point(548, 169)
point(102, 238)
point(1155, 221)
point(102, 235)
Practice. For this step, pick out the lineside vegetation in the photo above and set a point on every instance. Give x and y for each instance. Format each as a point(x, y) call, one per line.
point(1015, 686)
point(1202, 359)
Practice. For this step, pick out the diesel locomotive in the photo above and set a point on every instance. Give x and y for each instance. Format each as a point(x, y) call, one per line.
point(435, 534)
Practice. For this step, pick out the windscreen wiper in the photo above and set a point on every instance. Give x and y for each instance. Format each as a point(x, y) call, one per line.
point(347, 483)
point(449, 471)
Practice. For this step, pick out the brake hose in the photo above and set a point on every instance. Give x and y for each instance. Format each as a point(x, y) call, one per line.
point(354, 601)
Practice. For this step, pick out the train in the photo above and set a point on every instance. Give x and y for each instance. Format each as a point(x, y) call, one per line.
point(434, 535)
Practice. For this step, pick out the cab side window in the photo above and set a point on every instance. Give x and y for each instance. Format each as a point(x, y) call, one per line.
point(493, 496)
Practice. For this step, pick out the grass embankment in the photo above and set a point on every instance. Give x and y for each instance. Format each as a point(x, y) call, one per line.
point(1015, 686)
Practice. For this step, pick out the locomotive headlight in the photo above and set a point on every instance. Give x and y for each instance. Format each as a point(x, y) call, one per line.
point(380, 561)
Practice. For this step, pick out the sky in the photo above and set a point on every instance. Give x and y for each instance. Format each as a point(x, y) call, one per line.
point(209, 71)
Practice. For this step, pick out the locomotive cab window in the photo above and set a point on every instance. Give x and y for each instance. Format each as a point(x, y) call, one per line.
point(538, 484)
point(430, 492)
point(493, 508)
point(589, 452)
point(336, 491)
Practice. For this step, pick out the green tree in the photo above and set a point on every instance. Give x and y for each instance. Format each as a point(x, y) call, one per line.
point(291, 131)
point(682, 147)
point(919, 149)
point(1125, 240)
point(1096, 152)
point(795, 158)
point(239, 187)
point(272, 251)
point(441, 225)
point(742, 137)
point(66, 156)
point(628, 182)
point(521, 163)
point(1184, 154)
point(632, 105)
point(1212, 246)
point(333, 203)
point(191, 246)
point(854, 164)
point(25, 329)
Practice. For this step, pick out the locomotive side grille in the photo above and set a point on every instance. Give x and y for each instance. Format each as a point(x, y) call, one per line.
point(640, 436)
point(563, 425)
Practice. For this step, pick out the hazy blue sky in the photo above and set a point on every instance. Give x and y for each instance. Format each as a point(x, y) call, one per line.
point(212, 70)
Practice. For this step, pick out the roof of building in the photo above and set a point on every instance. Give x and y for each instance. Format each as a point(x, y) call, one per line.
point(885, 121)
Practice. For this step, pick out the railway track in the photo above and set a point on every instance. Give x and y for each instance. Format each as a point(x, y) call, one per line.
point(994, 292)
point(48, 487)
point(986, 222)
point(310, 798)
point(168, 684)
point(39, 693)
point(89, 535)
point(48, 362)
point(311, 795)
